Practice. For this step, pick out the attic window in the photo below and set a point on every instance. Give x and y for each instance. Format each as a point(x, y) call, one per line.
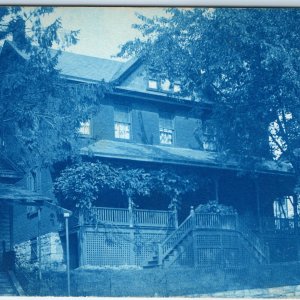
point(176, 88)
point(152, 84)
point(85, 128)
point(165, 85)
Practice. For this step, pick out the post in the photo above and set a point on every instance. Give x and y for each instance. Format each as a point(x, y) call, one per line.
point(173, 206)
point(216, 185)
point(160, 253)
point(66, 216)
point(81, 239)
point(130, 210)
point(257, 193)
point(195, 251)
point(295, 211)
point(39, 244)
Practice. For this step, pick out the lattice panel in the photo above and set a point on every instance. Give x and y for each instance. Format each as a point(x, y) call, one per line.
point(146, 245)
point(207, 241)
point(103, 249)
point(230, 241)
point(208, 257)
point(186, 256)
point(232, 256)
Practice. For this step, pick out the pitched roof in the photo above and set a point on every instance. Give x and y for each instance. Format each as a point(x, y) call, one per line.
point(78, 66)
point(173, 155)
point(87, 67)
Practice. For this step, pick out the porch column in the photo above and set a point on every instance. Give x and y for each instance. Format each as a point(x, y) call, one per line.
point(216, 180)
point(130, 210)
point(131, 231)
point(39, 243)
point(81, 240)
point(258, 204)
point(295, 210)
point(194, 235)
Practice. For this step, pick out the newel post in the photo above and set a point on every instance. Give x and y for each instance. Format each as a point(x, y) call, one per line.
point(160, 254)
point(195, 251)
point(192, 214)
point(131, 231)
point(175, 213)
point(130, 211)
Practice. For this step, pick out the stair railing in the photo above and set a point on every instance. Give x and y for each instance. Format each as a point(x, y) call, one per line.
point(176, 237)
point(253, 240)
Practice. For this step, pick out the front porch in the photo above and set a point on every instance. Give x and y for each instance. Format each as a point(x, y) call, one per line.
point(150, 238)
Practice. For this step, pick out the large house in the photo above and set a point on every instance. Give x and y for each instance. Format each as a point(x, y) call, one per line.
point(144, 122)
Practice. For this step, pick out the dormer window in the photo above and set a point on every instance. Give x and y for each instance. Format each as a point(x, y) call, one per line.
point(165, 85)
point(176, 88)
point(152, 84)
point(85, 128)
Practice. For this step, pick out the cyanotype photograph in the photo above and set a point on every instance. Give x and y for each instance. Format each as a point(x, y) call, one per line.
point(149, 152)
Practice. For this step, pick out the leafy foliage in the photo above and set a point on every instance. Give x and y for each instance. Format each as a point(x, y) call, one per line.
point(213, 207)
point(80, 185)
point(39, 111)
point(245, 61)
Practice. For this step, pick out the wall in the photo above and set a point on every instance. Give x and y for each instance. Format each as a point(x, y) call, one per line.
point(116, 247)
point(145, 123)
point(52, 254)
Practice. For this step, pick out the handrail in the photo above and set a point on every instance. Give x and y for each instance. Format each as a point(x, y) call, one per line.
point(111, 215)
point(123, 216)
point(253, 239)
point(215, 221)
point(176, 237)
point(153, 217)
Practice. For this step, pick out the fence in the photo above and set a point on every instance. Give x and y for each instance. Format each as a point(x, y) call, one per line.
point(127, 217)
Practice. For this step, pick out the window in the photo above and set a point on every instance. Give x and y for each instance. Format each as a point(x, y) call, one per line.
point(33, 250)
point(166, 130)
point(209, 136)
point(32, 185)
point(122, 123)
point(85, 128)
point(176, 88)
point(165, 85)
point(152, 84)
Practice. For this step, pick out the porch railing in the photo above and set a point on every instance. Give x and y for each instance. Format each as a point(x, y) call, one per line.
point(123, 216)
point(279, 224)
point(214, 221)
point(110, 215)
point(153, 217)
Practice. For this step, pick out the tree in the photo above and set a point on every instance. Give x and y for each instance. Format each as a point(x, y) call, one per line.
point(80, 185)
point(244, 61)
point(40, 112)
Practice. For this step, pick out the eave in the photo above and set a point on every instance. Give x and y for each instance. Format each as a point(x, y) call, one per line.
point(176, 156)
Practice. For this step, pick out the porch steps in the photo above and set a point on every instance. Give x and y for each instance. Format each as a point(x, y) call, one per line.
point(174, 245)
point(6, 286)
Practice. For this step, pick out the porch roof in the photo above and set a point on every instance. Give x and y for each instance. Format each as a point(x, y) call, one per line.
point(17, 195)
point(173, 155)
point(13, 193)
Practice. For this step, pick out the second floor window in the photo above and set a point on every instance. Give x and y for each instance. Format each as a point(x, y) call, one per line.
point(85, 128)
point(166, 130)
point(122, 122)
point(209, 136)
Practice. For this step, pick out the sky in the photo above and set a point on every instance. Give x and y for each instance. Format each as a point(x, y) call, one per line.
point(102, 29)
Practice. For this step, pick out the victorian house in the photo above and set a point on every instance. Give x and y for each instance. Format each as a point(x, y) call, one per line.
point(144, 122)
